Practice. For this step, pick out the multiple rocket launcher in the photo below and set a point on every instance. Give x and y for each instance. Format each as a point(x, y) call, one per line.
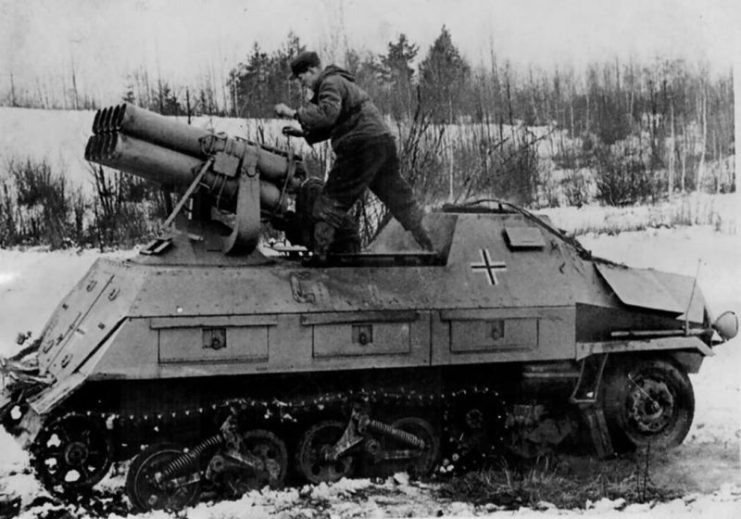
point(173, 154)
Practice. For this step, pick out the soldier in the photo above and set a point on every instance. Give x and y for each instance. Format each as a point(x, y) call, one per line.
point(365, 153)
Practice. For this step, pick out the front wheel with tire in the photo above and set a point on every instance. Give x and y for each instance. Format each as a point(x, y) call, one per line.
point(647, 401)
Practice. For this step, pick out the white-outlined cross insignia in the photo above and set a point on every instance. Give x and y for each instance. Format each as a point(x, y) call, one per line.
point(489, 266)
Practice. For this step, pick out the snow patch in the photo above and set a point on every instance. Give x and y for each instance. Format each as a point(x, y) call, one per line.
point(7, 277)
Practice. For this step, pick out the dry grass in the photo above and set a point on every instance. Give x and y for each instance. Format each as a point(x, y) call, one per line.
point(564, 481)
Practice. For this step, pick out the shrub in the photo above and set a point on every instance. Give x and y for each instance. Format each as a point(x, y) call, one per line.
point(571, 157)
point(623, 177)
point(575, 188)
point(518, 168)
point(43, 205)
point(510, 167)
point(8, 226)
point(126, 209)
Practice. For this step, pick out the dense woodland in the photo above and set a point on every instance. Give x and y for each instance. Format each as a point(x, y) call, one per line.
point(616, 132)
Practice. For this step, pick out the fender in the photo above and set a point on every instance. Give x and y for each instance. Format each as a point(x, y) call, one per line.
point(688, 351)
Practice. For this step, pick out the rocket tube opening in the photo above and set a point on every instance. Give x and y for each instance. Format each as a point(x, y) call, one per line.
point(113, 122)
point(118, 117)
point(109, 145)
point(96, 121)
point(89, 147)
point(106, 122)
point(98, 147)
point(95, 147)
point(98, 151)
point(101, 120)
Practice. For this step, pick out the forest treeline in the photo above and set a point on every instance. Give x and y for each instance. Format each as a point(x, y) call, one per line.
point(618, 132)
point(608, 99)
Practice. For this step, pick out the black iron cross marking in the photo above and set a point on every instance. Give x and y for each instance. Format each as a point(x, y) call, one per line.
point(491, 267)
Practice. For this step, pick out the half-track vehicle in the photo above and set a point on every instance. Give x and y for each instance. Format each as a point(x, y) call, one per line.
point(221, 365)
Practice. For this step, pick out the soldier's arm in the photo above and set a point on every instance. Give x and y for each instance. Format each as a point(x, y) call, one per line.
point(323, 115)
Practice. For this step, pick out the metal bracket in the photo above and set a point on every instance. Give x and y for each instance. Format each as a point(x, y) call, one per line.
point(156, 246)
point(587, 387)
point(357, 430)
point(290, 172)
point(586, 395)
point(189, 192)
point(350, 438)
point(246, 231)
point(598, 431)
point(225, 164)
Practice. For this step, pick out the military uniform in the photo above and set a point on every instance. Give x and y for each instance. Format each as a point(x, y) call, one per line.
point(365, 157)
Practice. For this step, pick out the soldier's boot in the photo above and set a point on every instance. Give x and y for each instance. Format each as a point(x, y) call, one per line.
point(346, 238)
point(323, 238)
point(345, 245)
point(422, 237)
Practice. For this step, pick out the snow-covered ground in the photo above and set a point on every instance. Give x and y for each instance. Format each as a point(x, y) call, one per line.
point(33, 281)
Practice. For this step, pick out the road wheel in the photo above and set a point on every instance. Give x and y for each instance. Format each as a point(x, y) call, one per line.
point(313, 446)
point(146, 492)
point(415, 461)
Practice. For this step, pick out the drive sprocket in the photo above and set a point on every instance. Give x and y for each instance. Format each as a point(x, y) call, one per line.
point(72, 453)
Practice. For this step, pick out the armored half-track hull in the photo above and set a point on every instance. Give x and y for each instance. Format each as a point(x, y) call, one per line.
point(229, 367)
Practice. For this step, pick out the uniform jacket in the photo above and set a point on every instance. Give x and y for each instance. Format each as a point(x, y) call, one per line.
point(340, 110)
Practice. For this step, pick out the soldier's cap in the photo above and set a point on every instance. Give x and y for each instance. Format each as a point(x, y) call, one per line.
point(303, 61)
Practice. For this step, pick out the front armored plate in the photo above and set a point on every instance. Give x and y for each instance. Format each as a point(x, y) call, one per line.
point(89, 314)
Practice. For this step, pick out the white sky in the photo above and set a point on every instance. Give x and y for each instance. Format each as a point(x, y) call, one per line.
point(183, 39)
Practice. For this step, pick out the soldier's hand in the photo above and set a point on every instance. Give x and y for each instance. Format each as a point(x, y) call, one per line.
point(290, 131)
point(283, 110)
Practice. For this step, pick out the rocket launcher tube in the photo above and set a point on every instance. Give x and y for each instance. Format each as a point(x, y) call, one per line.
point(154, 163)
point(169, 168)
point(166, 132)
point(248, 179)
point(158, 129)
